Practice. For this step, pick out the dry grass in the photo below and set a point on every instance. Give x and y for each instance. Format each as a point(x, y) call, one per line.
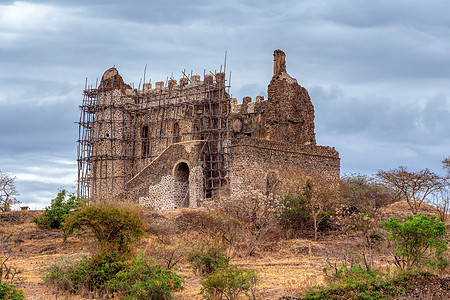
point(296, 264)
point(401, 209)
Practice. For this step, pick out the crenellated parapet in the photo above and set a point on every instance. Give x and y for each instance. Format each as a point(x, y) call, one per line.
point(247, 106)
point(186, 89)
point(209, 80)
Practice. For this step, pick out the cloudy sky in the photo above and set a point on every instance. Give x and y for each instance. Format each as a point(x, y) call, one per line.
point(377, 72)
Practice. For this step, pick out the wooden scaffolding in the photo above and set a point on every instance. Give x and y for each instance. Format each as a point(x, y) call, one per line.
point(122, 130)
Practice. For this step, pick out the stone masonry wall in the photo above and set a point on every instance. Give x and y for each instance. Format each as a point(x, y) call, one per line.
point(255, 160)
point(157, 187)
point(167, 194)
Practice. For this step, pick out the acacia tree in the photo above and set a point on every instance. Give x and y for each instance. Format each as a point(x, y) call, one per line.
point(414, 187)
point(8, 192)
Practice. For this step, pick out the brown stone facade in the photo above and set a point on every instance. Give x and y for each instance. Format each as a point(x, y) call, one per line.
point(183, 142)
point(256, 161)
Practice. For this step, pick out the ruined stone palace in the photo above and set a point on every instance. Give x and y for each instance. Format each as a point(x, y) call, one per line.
point(179, 143)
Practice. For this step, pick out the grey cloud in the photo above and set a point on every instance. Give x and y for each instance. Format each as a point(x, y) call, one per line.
point(39, 176)
point(377, 71)
point(384, 13)
point(418, 120)
point(377, 132)
point(30, 127)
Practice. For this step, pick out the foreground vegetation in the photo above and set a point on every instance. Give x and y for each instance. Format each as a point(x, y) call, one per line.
point(137, 254)
point(419, 247)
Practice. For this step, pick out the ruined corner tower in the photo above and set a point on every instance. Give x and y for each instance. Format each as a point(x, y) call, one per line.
point(291, 115)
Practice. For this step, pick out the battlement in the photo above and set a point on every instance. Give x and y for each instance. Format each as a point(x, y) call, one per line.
point(211, 80)
point(247, 106)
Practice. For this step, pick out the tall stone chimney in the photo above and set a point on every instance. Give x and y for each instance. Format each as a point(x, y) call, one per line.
point(279, 62)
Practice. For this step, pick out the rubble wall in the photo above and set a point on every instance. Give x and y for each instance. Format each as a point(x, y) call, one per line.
point(157, 185)
point(255, 161)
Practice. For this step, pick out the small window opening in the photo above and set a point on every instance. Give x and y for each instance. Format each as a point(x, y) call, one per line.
point(176, 133)
point(145, 141)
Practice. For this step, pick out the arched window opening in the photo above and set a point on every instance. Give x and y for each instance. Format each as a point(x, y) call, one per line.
point(176, 133)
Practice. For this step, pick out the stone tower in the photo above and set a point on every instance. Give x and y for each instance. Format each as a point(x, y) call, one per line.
point(290, 117)
point(110, 161)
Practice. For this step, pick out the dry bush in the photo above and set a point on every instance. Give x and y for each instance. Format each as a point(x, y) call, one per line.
point(365, 194)
point(168, 255)
point(169, 248)
point(349, 260)
point(163, 229)
point(441, 201)
point(255, 212)
point(242, 224)
point(9, 248)
point(320, 192)
point(208, 228)
point(300, 286)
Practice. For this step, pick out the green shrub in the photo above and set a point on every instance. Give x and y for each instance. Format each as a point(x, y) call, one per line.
point(8, 291)
point(89, 273)
point(228, 283)
point(209, 261)
point(110, 269)
point(294, 212)
point(418, 240)
point(145, 280)
point(115, 228)
point(95, 272)
point(108, 273)
point(55, 214)
point(359, 283)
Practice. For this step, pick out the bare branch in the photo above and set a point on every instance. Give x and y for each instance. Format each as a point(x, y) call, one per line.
point(8, 192)
point(414, 187)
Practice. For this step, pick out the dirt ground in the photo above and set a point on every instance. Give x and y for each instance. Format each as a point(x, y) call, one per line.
point(290, 268)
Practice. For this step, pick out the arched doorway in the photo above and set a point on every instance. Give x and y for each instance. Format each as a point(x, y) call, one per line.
point(181, 185)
